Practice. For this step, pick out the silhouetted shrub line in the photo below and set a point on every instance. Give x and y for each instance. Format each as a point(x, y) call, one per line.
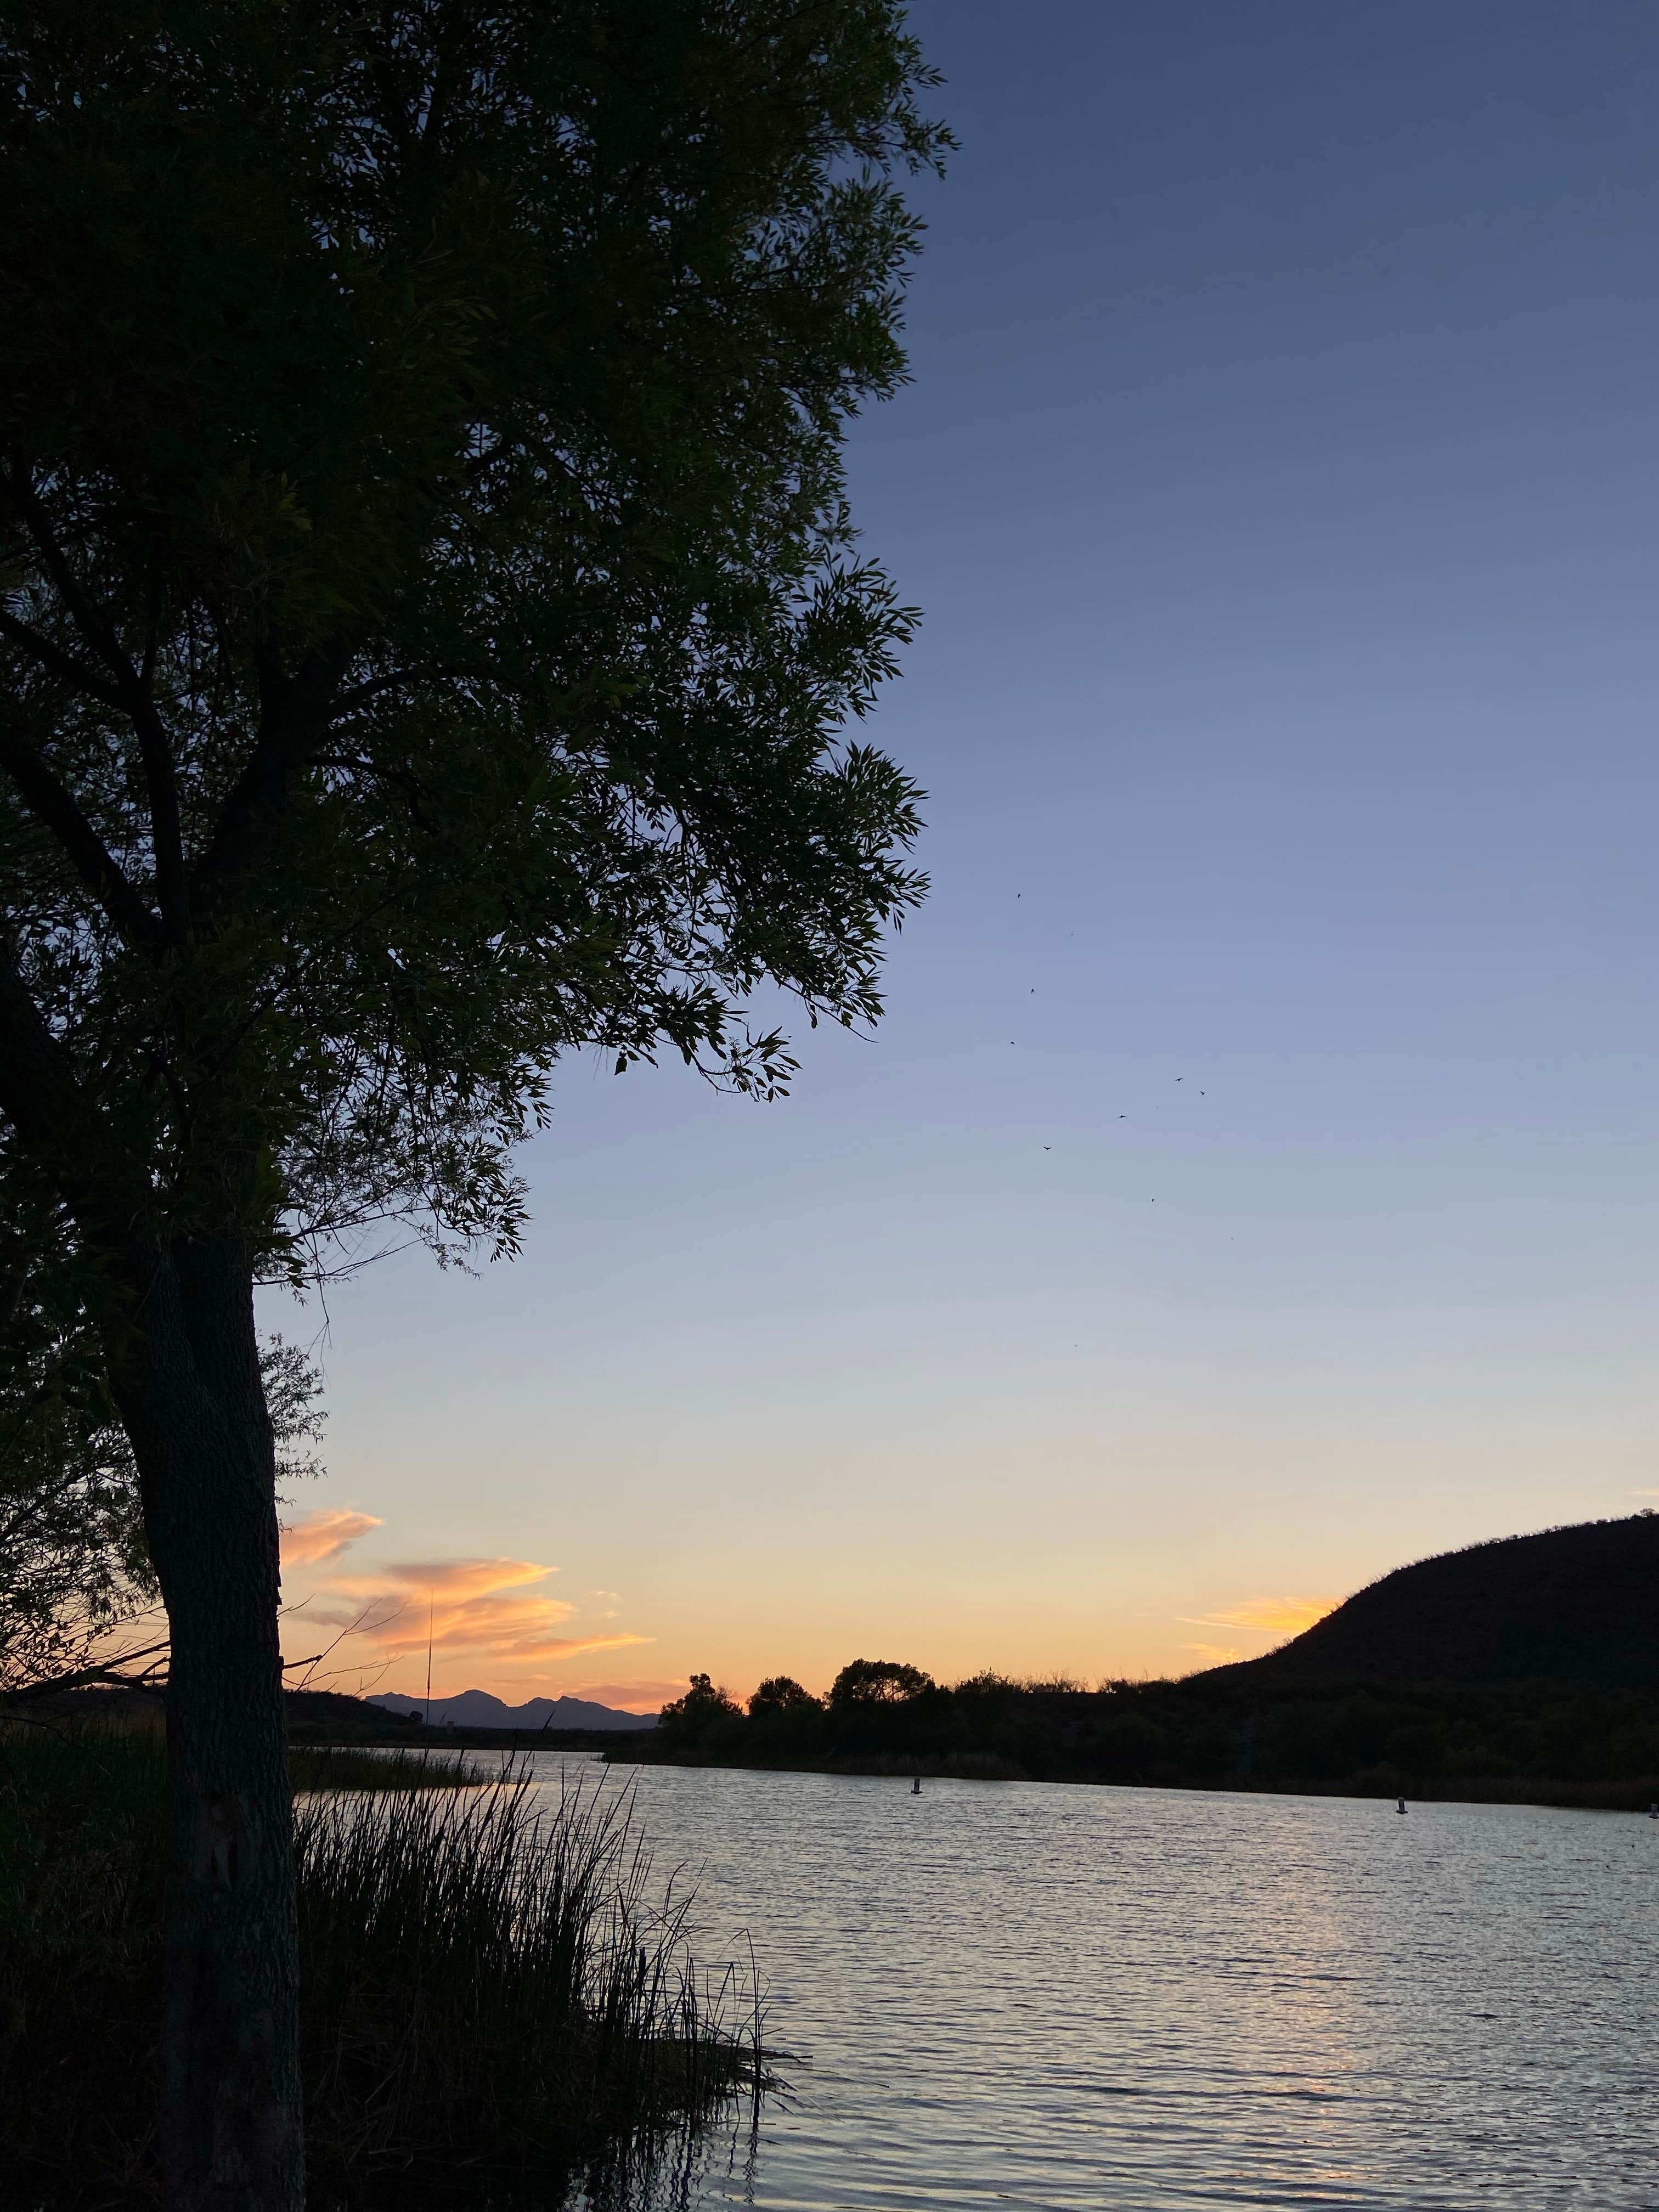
point(1233, 1729)
point(492, 1993)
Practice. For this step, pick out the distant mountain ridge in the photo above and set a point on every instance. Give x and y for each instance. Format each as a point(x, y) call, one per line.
point(1576, 1605)
point(478, 1709)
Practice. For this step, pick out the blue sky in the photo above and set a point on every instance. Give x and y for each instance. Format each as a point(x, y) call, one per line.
point(1253, 1184)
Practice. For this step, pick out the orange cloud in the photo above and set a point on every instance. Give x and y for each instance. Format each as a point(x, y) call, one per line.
point(1269, 1616)
point(458, 1581)
point(1280, 1616)
point(322, 1536)
point(632, 1697)
point(496, 1610)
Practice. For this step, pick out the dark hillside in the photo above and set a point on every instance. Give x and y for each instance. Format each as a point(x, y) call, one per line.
point(1570, 1606)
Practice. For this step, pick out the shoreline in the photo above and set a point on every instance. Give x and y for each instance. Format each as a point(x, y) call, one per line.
point(1545, 1794)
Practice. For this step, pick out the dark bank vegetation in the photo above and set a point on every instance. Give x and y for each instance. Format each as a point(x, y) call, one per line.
point(325, 1767)
point(489, 1998)
point(317, 1759)
point(1526, 1669)
point(314, 1720)
point(1538, 1742)
point(324, 1716)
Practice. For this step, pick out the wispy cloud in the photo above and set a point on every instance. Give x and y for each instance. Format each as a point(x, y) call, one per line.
point(459, 1582)
point(1267, 1616)
point(1214, 1655)
point(494, 1609)
point(322, 1536)
point(497, 1612)
point(634, 1696)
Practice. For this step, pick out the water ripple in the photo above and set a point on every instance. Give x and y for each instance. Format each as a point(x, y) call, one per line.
point(1079, 2000)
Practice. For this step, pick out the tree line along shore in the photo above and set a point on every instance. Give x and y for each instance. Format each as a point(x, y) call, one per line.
point(1535, 1743)
point(1525, 1669)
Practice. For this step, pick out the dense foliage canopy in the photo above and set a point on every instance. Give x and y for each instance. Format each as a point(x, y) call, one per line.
point(431, 628)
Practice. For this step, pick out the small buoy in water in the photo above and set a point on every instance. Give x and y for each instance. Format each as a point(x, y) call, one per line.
point(1401, 1806)
point(916, 1787)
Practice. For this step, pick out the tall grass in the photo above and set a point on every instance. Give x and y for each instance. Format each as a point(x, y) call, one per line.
point(495, 1991)
point(489, 1982)
point(81, 1836)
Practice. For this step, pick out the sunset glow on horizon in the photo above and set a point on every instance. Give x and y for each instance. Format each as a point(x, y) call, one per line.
point(491, 1625)
point(494, 1615)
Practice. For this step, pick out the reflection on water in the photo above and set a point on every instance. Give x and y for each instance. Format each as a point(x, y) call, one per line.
point(1004, 1994)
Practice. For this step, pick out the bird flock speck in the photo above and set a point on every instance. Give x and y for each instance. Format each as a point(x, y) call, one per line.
point(1014, 1045)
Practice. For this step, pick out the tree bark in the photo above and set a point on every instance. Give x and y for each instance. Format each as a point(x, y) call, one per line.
point(190, 1392)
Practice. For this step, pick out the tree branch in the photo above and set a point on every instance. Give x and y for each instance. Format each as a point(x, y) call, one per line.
point(107, 1675)
point(40, 1094)
point(132, 693)
point(53, 806)
point(63, 665)
point(95, 627)
point(292, 725)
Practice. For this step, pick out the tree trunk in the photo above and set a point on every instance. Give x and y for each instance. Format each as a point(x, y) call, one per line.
point(191, 1397)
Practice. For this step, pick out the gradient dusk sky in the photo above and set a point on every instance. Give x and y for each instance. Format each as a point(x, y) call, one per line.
point(1255, 1183)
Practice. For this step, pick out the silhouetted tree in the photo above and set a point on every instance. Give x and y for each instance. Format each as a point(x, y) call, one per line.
point(781, 1693)
point(430, 636)
point(878, 1682)
point(688, 1719)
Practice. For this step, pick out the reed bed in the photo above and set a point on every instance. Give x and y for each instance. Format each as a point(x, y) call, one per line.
point(344, 1766)
point(490, 1985)
point(497, 1995)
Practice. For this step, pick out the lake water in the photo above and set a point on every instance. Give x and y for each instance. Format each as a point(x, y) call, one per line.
point(1008, 1995)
